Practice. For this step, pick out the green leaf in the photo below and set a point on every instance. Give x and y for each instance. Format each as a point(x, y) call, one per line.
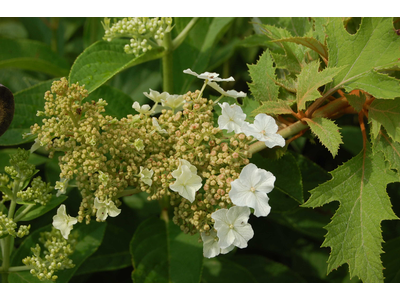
point(389, 148)
point(289, 182)
point(327, 132)
point(374, 47)
point(309, 42)
point(223, 270)
point(263, 77)
point(89, 239)
point(174, 256)
point(387, 114)
point(27, 103)
point(102, 60)
point(119, 104)
point(39, 210)
point(31, 55)
point(357, 101)
point(354, 234)
point(294, 58)
point(266, 270)
point(309, 80)
point(274, 108)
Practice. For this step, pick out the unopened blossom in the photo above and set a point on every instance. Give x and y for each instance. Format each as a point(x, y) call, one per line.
point(105, 209)
point(251, 189)
point(232, 117)
point(211, 247)
point(229, 93)
point(173, 101)
point(187, 184)
point(103, 177)
point(265, 130)
point(232, 227)
point(144, 109)
point(157, 126)
point(146, 175)
point(208, 76)
point(61, 186)
point(64, 222)
point(156, 96)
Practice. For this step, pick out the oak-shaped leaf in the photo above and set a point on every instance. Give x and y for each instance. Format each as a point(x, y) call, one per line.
point(374, 47)
point(354, 234)
point(327, 132)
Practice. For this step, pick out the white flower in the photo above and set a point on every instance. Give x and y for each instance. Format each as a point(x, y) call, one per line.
point(157, 126)
point(61, 186)
point(232, 117)
point(229, 93)
point(144, 109)
point(145, 175)
point(187, 181)
point(174, 101)
point(232, 227)
point(251, 189)
point(139, 144)
point(208, 76)
point(211, 246)
point(36, 145)
point(264, 129)
point(63, 222)
point(156, 96)
point(105, 209)
point(183, 162)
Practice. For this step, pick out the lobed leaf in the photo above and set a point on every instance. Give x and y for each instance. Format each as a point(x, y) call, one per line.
point(327, 132)
point(389, 148)
point(309, 80)
point(263, 77)
point(354, 234)
point(387, 114)
point(309, 42)
point(374, 47)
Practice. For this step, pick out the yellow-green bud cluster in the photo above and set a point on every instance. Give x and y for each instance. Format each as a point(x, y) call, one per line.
point(8, 226)
point(39, 192)
point(19, 168)
point(106, 155)
point(54, 257)
point(141, 32)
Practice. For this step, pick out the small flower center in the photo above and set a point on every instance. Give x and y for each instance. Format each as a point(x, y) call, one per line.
point(253, 189)
point(263, 132)
point(231, 226)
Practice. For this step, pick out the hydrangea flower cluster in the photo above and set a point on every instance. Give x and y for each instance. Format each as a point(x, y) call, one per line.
point(55, 255)
point(144, 33)
point(182, 155)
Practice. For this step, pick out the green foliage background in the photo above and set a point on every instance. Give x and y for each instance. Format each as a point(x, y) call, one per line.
point(287, 244)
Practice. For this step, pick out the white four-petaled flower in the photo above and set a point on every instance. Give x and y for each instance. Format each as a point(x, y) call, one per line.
point(105, 209)
point(145, 175)
point(63, 222)
point(187, 181)
point(208, 76)
point(211, 247)
point(232, 227)
point(144, 109)
point(251, 189)
point(157, 97)
point(211, 78)
point(264, 129)
point(173, 101)
point(232, 117)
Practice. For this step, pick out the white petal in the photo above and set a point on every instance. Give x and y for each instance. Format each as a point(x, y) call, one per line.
point(210, 245)
point(261, 207)
point(243, 235)
point(102, 213)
